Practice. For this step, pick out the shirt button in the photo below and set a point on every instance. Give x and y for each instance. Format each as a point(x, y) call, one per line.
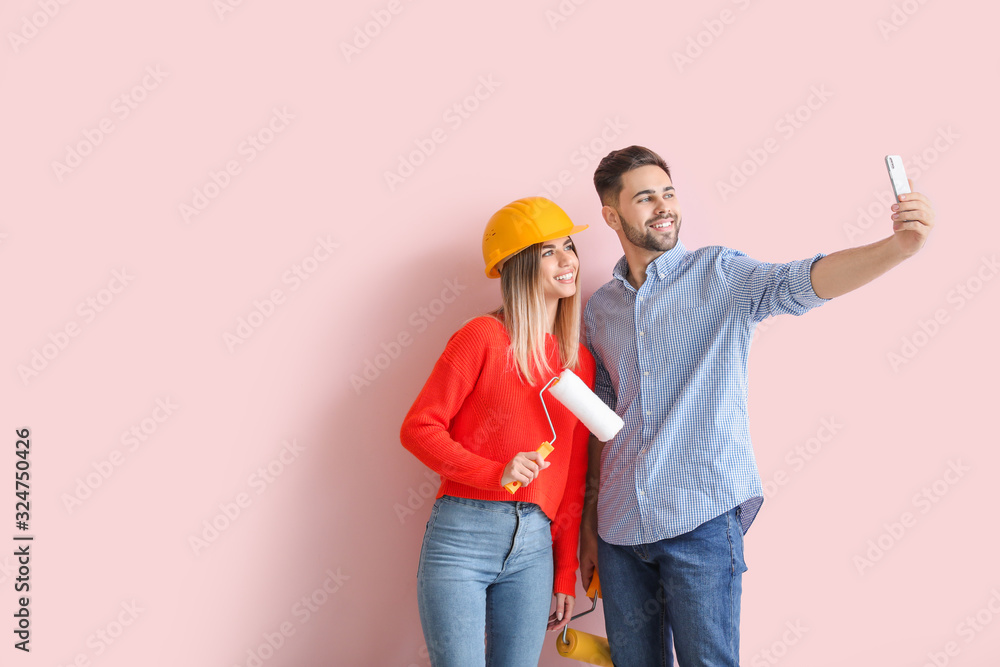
point(646, 373)
point(642, 333)
point(641, 492)
point(648, 413)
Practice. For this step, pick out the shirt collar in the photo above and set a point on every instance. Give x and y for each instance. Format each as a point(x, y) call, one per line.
point(662, 265)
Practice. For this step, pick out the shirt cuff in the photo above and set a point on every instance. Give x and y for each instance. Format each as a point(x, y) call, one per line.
point(801, 282)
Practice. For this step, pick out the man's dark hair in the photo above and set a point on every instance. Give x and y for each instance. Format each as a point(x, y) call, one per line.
point(608, 177)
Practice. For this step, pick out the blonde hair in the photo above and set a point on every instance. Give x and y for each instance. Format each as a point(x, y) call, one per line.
point(524, 316)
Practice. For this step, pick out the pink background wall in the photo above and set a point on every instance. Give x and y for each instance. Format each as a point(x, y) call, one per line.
point(377, 262)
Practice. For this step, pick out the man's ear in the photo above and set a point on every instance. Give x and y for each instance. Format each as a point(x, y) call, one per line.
point(611, 218)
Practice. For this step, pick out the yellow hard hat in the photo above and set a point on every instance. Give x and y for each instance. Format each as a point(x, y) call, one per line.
point(520, 224)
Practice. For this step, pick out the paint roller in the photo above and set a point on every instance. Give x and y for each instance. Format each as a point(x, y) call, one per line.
point(573, 393)
point(584, 646)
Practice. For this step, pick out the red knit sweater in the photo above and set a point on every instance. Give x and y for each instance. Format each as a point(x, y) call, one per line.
point(475, 413)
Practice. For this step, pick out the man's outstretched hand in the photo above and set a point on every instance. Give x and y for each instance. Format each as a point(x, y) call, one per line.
point(912, 221)
point(846, 270)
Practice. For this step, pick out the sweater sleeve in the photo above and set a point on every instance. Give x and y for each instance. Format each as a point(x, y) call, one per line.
point(425, 428)
point(566, 527)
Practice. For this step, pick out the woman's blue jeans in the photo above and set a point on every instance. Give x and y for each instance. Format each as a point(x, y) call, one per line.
point(485, 569)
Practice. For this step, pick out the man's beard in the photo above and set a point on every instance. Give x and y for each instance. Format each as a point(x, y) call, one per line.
point(647, 239)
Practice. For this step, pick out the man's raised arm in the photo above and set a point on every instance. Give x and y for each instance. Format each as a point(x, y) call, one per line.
point(844, 271)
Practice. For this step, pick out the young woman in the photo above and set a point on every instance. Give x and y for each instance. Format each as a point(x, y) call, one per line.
point(491, 561)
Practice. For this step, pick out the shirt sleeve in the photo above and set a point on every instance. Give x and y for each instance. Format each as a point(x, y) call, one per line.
point(764, 289)
point(425, 427)
point(566, 526)
point(602, 380)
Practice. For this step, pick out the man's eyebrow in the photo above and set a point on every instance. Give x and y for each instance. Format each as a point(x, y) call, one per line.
point(651, 191)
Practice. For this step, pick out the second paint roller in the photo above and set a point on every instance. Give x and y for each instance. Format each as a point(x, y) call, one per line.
point(583, 646)
point(571, 391)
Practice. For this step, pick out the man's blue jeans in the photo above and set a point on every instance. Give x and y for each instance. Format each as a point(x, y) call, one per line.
point(485, 568)
point(681, 593)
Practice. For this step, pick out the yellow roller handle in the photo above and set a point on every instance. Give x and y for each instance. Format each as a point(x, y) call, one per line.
point(544, 450)
point(584, 647)
point(595, 586)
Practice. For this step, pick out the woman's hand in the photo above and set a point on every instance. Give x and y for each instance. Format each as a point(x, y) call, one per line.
point(523, 468)
point(564, 611)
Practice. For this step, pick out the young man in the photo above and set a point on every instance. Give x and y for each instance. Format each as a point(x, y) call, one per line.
point(678, 485)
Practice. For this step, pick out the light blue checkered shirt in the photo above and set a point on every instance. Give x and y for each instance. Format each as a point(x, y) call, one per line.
point(672, 362)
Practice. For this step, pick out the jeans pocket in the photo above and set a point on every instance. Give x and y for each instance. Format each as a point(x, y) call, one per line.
point(736, 542)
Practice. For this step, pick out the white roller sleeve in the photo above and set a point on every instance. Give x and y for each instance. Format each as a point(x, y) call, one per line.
point(588, 408)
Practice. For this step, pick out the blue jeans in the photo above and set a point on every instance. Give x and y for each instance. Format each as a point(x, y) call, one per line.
point(485, 568)
point(682, 592)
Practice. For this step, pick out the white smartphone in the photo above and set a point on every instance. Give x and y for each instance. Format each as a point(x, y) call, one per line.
point(897, 175)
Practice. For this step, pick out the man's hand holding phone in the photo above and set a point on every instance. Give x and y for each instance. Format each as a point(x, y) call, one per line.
point(912, 214)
